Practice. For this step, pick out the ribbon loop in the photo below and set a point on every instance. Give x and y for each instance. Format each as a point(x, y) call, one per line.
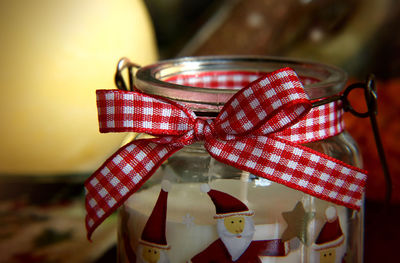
point(245, 134)
point(125, 111)
point(266, 106)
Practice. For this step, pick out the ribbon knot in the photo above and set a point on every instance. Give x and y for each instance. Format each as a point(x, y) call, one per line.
point(245, 134)
point(202, 129)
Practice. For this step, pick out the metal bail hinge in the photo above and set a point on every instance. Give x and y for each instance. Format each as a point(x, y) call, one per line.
point(371, 99)
point(124, 63)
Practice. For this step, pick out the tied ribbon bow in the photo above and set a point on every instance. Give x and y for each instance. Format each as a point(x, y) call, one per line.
point(243, 135)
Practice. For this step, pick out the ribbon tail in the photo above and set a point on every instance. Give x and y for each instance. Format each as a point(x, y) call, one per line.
point(121, 176)
point(295, 166)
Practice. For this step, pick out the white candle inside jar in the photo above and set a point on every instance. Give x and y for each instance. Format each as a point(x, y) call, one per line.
point(191, 227)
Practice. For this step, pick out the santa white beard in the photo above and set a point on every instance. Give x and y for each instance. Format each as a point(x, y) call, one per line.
point(236, 244)
point(139, 257)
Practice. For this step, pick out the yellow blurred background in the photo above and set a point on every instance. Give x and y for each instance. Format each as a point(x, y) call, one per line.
point(54, 55)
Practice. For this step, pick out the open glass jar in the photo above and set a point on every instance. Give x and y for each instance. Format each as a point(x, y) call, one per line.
point(197, 209)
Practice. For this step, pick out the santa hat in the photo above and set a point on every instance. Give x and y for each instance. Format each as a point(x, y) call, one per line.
point(154, 231)
point(331, 234)
point(225, 204)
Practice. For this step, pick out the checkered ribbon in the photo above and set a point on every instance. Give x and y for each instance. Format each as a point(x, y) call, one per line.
point(255, 131)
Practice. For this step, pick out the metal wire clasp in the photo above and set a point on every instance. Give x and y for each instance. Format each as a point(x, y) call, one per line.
point(124, 63)
point(370, 94)
point(371, 98)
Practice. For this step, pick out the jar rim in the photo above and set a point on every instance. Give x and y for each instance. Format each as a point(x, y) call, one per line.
point(151, 79)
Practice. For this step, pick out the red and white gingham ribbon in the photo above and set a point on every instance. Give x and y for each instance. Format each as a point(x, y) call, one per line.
point(258, 130)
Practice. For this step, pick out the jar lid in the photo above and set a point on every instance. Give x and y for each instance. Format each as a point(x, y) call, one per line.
point(206, 83)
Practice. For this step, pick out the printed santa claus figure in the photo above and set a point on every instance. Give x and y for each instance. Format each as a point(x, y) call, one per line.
point(235, 228)
point(153, 243)
point(329, 246)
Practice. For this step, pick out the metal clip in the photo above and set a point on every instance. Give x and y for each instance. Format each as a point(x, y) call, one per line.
point(371, 99)
point(370, 94)
point(124, 63)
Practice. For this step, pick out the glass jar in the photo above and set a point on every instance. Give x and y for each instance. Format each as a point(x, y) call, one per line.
point(295, 226)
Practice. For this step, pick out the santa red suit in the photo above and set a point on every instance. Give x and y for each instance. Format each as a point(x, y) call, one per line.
point(217, 252)
point(235, 243)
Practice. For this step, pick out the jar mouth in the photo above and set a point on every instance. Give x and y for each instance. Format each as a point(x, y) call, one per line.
point(206, 83)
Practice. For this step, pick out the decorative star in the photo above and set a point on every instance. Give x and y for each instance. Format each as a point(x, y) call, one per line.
point(297, 220)
point(188, 220)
